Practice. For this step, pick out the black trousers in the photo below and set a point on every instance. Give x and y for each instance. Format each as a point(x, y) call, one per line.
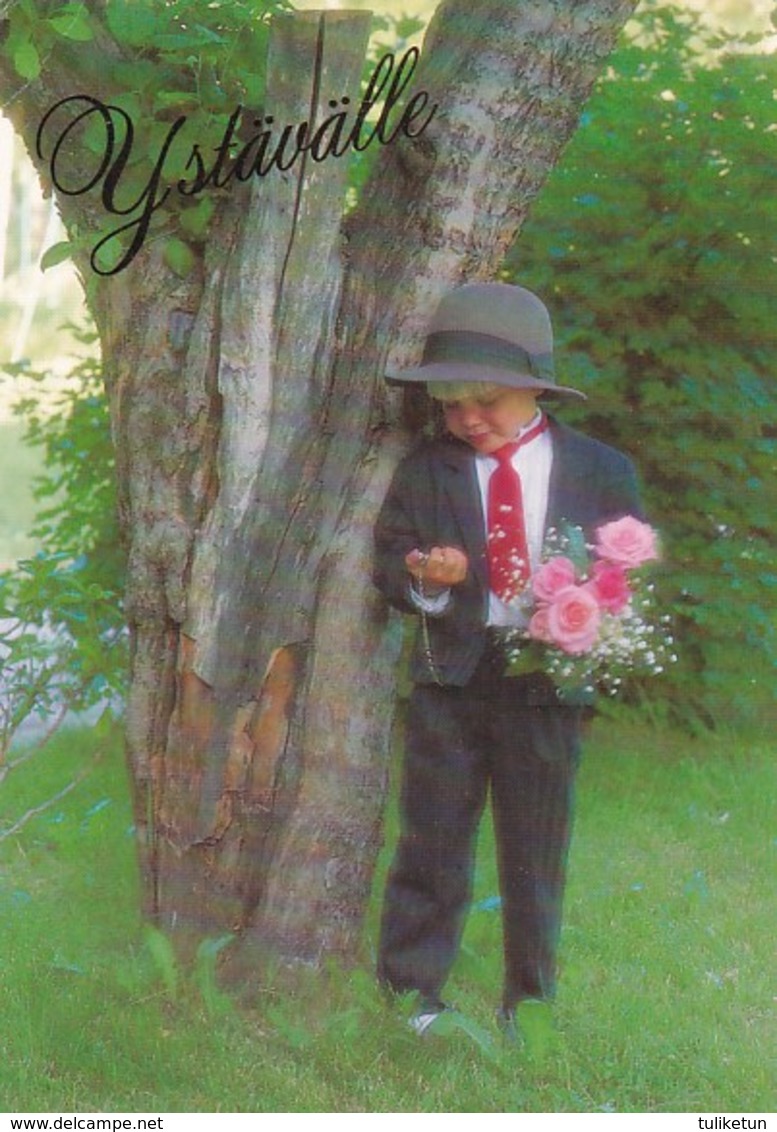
point(496, 733)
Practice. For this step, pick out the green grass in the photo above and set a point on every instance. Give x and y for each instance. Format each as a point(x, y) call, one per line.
point(666, 999)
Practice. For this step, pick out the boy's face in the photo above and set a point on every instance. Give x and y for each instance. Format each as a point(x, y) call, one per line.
point(488, 422)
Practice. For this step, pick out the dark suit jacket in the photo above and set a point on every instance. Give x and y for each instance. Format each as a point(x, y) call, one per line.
point(434, 501)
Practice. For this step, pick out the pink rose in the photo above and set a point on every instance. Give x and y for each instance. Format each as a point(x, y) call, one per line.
point(627, 542)
point(573, 619)
point(539, 630)
point(554, 575)
point(610, 586)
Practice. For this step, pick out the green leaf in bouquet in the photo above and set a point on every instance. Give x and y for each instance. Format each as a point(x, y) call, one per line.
point(526, 656)
point(574, 544)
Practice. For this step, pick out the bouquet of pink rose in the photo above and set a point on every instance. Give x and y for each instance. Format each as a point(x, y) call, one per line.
point(594, 609)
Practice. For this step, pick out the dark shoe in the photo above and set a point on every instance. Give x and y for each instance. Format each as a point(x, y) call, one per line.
point(428, 1012)
point(505, 1021)
point(423, 1022)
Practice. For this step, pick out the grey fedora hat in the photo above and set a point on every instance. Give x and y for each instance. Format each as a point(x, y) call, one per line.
point(495, 332)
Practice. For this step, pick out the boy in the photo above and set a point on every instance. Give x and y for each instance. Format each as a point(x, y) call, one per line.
point(457, 538)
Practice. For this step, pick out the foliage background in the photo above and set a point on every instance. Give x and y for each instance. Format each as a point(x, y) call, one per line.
point(72, 586)
point(655, 245)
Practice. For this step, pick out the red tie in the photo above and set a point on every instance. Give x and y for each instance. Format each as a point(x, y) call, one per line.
point(508, 551)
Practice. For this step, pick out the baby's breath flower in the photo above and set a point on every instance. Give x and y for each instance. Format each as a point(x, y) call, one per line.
point(633, 641)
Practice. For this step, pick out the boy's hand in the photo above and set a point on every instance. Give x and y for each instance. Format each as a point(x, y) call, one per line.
point(442, 567)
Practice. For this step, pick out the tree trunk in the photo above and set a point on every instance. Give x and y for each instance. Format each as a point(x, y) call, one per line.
point(255, 439)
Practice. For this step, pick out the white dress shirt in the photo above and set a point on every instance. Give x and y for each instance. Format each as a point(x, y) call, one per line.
point(533, 463)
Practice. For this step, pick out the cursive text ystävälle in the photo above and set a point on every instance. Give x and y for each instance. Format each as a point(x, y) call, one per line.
point(269, 148)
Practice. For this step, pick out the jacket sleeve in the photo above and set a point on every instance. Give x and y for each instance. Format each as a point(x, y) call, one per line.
point(396, 534)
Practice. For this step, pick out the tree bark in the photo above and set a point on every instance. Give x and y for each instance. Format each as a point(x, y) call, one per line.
point(255, 439)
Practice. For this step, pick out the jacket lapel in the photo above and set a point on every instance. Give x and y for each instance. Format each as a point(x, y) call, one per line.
point(461, 487)
point(560, 493)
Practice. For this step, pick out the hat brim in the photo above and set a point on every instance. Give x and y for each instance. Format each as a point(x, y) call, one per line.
point(466, 372)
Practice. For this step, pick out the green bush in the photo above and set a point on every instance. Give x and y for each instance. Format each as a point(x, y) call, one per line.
point(62, 634)
point(654, 244)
